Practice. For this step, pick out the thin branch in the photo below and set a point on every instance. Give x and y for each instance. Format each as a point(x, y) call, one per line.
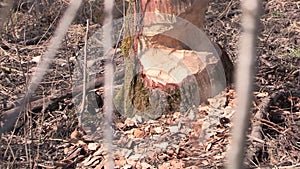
point(108, 82)
point(245, 72)
point(53, 100)
point(84, 80)
point(256, 136)
point(7, 122)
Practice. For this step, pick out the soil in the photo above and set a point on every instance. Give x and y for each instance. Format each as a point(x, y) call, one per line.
point(48, 136)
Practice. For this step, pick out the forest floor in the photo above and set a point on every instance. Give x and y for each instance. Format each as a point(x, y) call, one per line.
point(48, 136)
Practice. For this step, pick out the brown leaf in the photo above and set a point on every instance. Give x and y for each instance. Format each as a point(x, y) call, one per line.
point(120, 162)
point(177, 164)
point(138, 133)
point(75, 135)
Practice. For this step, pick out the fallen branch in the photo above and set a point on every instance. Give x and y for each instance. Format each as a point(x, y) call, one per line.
point(43, 65)
point(278, 128)
point(256, 135)
point(37, 104)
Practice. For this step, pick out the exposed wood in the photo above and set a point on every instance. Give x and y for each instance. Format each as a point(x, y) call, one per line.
point(156, 11)
point(172, 58)
point(173, 46)
point(165, 68)
point(182, 51)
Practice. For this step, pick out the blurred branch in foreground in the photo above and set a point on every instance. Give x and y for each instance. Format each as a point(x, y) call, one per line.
point(245, 73)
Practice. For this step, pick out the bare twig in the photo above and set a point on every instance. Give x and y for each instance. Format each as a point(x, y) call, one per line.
point(55, 98)
point(84, 80)
point(278, 128)
point(262, 108)
point(256, 132)
point(245, 73)
point(59, 34)
point(108, 82)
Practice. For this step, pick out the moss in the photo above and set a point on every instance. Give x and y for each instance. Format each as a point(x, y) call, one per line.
point(118, 99)
point(173, 99)
point(140, 95)
point(127, 44)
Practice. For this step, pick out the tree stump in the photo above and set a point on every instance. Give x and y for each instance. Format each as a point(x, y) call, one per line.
point(171, 65)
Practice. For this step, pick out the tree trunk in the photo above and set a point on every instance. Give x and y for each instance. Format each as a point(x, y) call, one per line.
point(170, 64)
point(5, 7)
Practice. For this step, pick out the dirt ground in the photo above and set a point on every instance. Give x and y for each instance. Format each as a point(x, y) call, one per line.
point(48, 137)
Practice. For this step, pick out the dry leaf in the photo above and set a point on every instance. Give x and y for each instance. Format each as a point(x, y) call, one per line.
point(138, 133)
point(93, 146)
point(165, 166)
point(158, 130)
point(145, 165)
point(177, 164)
point(263, 94)
point(120, 162)
point(36, 59)
point(75, 135)
point(130, 123)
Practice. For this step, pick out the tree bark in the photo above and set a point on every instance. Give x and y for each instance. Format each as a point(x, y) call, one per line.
point(5, 7)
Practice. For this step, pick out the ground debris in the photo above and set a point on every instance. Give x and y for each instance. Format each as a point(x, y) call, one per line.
point(49, 138)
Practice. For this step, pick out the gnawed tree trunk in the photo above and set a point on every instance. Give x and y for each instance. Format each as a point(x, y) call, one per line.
point(170, 63)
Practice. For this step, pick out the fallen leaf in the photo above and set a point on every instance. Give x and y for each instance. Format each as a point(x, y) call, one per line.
point(162, 145)
point(120, 162)
point(138, 133)
point(93, 146)
point(177, 164)
point(145, 165)
point(129, 123)
point(158, 130)
point(36, 59)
